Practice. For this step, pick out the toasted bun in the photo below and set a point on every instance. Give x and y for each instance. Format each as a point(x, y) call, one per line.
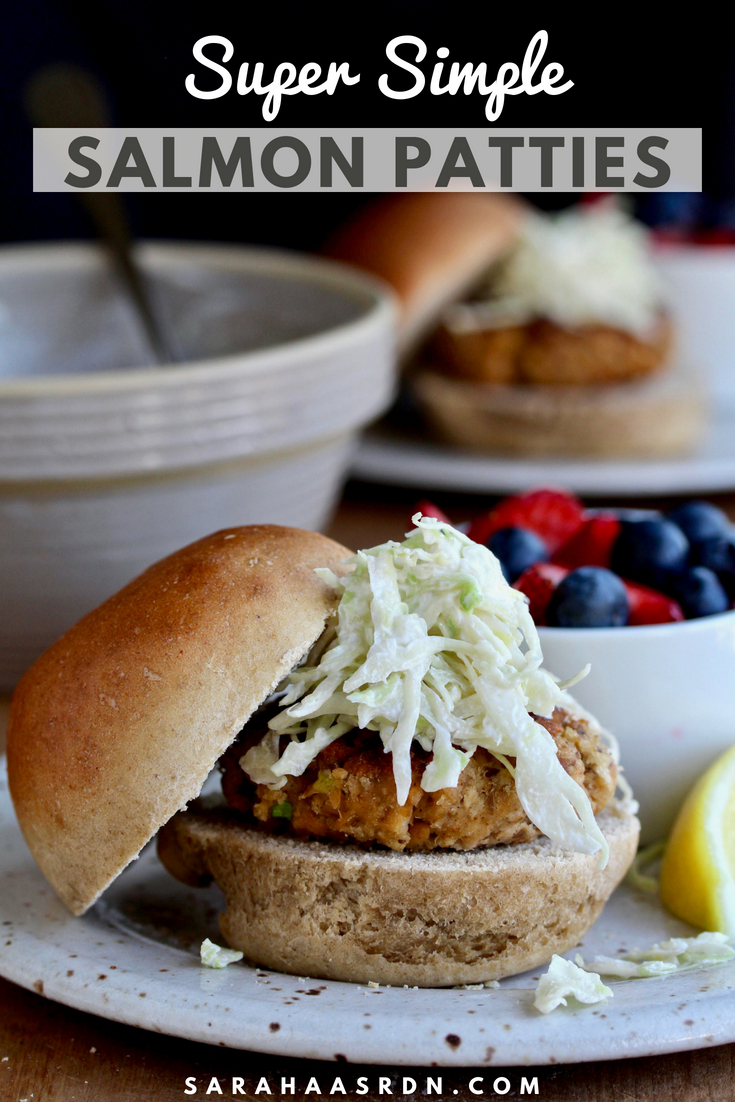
point(431, 920)
point(117, 725)
point(432, 247)
point(661, 417)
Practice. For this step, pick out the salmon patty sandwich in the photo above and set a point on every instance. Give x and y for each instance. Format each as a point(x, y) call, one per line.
point(408, 797)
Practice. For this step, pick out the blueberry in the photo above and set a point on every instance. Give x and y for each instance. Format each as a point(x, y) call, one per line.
point(699, 592)
point(627, 513)
point(700, 521)
point(517, 549)
point(650, 551)
point(718, 555)
point(590, 597)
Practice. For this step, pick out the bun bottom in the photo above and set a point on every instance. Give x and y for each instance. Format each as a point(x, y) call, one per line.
point(660, 417)
point(428, 920)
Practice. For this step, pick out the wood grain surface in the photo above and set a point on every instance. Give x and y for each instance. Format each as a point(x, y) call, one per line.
point(53, 1054)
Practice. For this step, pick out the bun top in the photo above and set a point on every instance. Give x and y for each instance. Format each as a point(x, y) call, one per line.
point(432, 247)
point(117, 725)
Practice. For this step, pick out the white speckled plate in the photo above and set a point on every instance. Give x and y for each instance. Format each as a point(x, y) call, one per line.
point(134, 958)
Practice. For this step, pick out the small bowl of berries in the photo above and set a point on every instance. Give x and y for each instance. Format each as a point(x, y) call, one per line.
point(646, 598)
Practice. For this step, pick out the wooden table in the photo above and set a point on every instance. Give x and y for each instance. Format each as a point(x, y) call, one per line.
point(49, 1053)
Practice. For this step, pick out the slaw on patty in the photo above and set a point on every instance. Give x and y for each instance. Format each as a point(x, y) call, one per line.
point(431, 645)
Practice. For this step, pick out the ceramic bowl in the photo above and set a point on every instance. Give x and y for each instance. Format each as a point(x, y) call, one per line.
point(108, 463)
point(667, 693)
point(699, 283)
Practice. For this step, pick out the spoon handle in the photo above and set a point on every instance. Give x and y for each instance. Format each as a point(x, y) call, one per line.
point(66, 95)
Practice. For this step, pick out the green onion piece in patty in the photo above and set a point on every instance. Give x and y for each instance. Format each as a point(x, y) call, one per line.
point(282, 811)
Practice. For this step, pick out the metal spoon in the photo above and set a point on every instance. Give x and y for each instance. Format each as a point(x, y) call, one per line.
point(67, 95)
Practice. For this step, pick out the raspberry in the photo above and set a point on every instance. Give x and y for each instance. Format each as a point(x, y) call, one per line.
point(648, 606)
point(539, 583)
point(552, 514)
point(592, 544)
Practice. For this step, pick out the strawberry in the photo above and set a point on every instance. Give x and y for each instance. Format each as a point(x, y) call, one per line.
point(429, 509)
point(539, 583)
point(590, 545)
point(552, 514)
point(648, 606)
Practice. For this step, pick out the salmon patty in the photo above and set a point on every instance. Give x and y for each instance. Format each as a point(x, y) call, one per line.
point(549, 354)
point(348, 793)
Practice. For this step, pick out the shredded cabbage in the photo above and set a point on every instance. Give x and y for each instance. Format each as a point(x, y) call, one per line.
point(675, 955)
point(563, 979)
point(645, 857)
point(214, 956)
point(432, 644)
point(678, 954)
point(582, 267)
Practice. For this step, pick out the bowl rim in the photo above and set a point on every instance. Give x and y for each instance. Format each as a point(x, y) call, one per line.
point(379, 313)
point(691, 626)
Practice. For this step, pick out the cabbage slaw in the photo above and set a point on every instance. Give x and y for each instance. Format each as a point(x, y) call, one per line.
point(582, 267)
point(432, 644)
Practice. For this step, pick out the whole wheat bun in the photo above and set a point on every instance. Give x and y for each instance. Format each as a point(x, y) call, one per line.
point(429, 920)
point(430, 246)
point(117, 725)
point(656, 418)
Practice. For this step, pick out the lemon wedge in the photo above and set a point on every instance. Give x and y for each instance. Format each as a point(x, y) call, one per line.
point(698, 870)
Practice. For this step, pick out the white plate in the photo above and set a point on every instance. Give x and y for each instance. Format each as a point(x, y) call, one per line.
point(388, 457)
point(134, 958)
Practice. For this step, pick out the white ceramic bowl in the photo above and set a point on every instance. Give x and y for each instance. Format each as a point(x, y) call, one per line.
point(107, 464)
point(699, 282)
point(667, 693)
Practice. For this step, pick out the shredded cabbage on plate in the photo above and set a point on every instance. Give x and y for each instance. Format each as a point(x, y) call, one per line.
point(215, 956)
point(432, 644)
point(678, 954)
point(564, 979)
point(580, 979)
